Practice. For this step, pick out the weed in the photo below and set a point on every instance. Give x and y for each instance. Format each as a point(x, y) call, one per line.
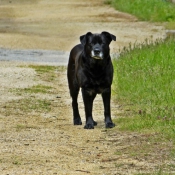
point(20, 127)
point(118, 165)
point(16, 162)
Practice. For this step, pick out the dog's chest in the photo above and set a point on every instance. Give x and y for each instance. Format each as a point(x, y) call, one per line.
point(96, 78)
point(96, 85)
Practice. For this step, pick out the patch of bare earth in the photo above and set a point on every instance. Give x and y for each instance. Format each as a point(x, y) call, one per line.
point(36, 131)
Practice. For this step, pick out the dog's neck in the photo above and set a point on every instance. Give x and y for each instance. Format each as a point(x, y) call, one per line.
point(95, 68)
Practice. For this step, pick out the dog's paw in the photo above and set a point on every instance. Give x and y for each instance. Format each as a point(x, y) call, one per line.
point(95, 123)
point(77, 121)
point(110, 125)
point(89, 126)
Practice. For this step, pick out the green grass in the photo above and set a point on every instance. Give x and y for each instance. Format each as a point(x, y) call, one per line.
point(43, 69)
point(47, 69)
point(37, 89)
point(146, 10)
point(170, 25)
point(48, 73)
point(34, 90)
point(144, 84)
point(25, 106)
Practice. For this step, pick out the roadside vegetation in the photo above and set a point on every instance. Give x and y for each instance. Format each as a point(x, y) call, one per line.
point(144, 73)
point(148, 10)
point(144, 82)
point(154, 10)
point(144, 87)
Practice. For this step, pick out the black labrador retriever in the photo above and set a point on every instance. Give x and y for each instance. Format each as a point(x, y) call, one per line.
point(90, 68)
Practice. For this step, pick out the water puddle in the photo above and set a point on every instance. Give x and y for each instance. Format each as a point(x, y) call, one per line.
point(47, 57)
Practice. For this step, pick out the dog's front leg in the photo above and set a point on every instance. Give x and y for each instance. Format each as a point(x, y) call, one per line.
point(88, 98)
point(106, 95)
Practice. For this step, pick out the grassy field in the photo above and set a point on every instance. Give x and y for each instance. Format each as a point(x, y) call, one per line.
point(147, 10)
point(144, 79)
point(144, 84)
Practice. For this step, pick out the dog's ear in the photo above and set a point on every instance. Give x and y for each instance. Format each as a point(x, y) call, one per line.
point(83, 38)
point(109, 36)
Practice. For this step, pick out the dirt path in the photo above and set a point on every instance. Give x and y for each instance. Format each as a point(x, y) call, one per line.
point(57, 25)
point(36, 131)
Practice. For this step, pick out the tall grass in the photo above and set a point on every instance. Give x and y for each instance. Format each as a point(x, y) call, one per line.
point(147, 10)
point(145, 81)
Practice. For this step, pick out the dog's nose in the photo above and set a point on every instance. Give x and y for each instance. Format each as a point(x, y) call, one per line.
point(96, 51)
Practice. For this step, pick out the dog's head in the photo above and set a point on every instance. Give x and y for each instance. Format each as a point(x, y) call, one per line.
point(97, 45)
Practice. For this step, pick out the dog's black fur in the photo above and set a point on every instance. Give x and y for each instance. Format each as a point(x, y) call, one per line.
point(90, 68)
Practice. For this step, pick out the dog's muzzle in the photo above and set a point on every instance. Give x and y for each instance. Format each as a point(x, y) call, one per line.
point(96, 54)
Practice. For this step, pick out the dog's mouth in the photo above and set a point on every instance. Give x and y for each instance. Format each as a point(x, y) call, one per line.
point(96, 56)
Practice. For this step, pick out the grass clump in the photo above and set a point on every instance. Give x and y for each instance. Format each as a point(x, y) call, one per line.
point(43, 69)
point(38, 89)
point(42, 89)
point(25, 106)
point(48, 73)
point(145, 83)
point(47, 69)
point(147, 10)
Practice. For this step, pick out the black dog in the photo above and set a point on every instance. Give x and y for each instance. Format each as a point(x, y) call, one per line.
point(90, 68)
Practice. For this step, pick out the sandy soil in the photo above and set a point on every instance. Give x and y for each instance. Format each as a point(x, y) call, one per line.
point(40, 141)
